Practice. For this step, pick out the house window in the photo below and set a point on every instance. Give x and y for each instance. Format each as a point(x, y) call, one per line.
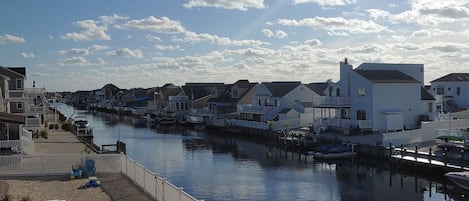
point(430, 107)
point(458, 91)
point(440, 90)
point(235, 94)
point(259, 102)
point(361, 115)
point(361, 91)
point(19, 83)
point(337, 92)
point(19, 106)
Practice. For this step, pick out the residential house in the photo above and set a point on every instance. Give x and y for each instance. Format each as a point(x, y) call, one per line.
point(106, 94)
point(451, 92)
point(239, 93)
point(376, 97)
point(169, 99)
point(277, 105)
point(199, 94)
point(17, 76)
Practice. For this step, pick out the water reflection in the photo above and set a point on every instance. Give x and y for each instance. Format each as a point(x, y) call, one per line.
point(211, 166)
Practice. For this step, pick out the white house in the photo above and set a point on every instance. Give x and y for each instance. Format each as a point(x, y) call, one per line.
point(377, 97)
point(451, 92)
point(278, 104)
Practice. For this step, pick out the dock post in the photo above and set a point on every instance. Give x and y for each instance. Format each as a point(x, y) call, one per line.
point(462, 159)
point(445, 157)
point(416, 153)
point(390, 150)
point(402, 151)
point(430, 156)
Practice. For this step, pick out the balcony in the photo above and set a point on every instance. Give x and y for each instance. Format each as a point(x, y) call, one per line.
point(331, 102)
point(347, 123)
point(254, 109)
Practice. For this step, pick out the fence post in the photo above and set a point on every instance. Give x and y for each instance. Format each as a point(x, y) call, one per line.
point(163, 182)
point(416, 153)
point(156, 187)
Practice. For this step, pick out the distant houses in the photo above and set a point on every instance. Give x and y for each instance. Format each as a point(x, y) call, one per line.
point(371, 98)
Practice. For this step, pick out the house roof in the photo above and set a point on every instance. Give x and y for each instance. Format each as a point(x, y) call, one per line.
point(226, 95)
point(11, 118)
point(199, 90)
point(21, 71)
point(280, 89)
point(425, 95)
point(386, 76)
point(455, 77)
point(318, 87)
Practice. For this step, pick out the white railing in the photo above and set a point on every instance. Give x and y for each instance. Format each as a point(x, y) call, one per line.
point(11, 162)
point(36, 109)
point(159, 188)
point(331, 101)
point(27, 142)
point(347, 123)
point(33, 123)
point(253, 109)
point(275, 125)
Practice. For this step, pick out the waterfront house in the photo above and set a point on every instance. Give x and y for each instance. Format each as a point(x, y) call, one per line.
point(451, 92)
point(277, 105)
point(169, 99)
point(376, 97)
point(106, 94)
point(239, 93)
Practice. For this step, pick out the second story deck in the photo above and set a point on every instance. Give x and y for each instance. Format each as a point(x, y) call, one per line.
point(331, 102)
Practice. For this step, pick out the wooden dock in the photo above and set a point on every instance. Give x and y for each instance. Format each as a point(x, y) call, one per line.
point(447, 162)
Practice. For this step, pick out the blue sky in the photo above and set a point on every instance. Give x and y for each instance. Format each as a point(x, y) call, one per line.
point(83, 45)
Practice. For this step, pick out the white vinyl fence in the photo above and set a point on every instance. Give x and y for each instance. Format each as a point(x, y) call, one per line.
point(159, 188)
point(61, 164)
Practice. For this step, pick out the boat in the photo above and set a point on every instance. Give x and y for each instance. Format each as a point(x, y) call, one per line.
point(150, 118)
point(166, 121)
point(333, 152)
point(81, 127)
point(461, 179)
point(450, 142)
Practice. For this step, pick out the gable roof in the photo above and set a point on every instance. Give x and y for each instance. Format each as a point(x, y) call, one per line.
point(199, 90)
point(280, 89)
point(386, 76)
point(318, 87)
point(455, 77)
point(425, 95)
point(20, 71)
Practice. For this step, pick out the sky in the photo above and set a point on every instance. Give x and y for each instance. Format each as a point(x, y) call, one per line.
point(86, 44)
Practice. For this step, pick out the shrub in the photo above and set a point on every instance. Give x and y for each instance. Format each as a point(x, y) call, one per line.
point(44, 134)
point(26, 198)
point(56, 126)
point(67, 126)
point(51, 126)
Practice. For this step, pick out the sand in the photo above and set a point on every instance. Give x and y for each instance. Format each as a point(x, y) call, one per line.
point(51, 188)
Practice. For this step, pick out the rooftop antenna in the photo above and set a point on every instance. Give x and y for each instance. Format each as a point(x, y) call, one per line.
point(345, 61)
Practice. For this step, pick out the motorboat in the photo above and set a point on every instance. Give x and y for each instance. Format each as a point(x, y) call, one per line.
point(461, 179)
point(81, 127)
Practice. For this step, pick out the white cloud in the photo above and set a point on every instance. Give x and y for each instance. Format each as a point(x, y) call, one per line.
point(429, 12)
point(112, 18)
point(92, 30)
point(377, 13)
point(161, 25)
point(281, 34)
point(326, 3)
point(74, 52)
point(313, 42)
point(98, 47)
point(7, 38)
point(448, 47)
point(153, 38)
point(336, 24)
point(126, 52)
point(226, 4)
point(78, 61)
point(99, 61)
point(267, 32)
point(27, 55)
point(193, 37)
point(168, 47)
point(421, 33)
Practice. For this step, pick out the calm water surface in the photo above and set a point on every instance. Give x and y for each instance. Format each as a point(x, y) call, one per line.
point(214, 168)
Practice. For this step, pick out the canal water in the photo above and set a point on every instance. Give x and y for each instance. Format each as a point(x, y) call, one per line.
point(217, 168)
